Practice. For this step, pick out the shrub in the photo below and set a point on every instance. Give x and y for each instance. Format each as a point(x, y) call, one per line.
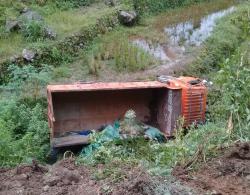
point(160, 158)
point(24, 133)
point(28, 80)
point(234, 82)
point(152, 6)
point(33, 30)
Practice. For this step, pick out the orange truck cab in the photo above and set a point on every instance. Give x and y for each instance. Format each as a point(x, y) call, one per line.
point(86, 106)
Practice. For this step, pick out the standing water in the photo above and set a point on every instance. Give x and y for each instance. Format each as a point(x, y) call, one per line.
point(185, 34)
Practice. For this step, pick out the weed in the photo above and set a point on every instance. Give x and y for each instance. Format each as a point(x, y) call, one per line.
point(160, 158)
point(120, 54)
point(24, 132)
point(61, 72)
point(27, 80)
point(33, 31)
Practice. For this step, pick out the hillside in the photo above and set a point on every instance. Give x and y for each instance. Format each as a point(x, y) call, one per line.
point(46, 42)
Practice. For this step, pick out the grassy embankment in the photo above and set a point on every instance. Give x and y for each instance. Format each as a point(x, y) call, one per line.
point(23, 124)
point(224, 60)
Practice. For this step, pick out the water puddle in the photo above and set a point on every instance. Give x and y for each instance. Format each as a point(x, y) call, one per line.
point(182, 36)
point(156, 50)
point(195, 35)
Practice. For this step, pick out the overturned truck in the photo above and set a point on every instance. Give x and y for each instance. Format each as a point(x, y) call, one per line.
point(82, 107)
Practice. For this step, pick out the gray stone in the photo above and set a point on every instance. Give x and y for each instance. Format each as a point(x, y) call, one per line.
point(110, 2)
point(28, 55)
point(30, 15)
point(12, 25)
point(24, 10)
point(46, 188)
point(49, 33)
point(51, 180)
point(128, 18)
point(248, 177)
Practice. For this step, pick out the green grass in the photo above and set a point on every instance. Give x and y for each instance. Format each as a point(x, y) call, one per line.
point(63, 22)
point(229, 109)
point(73, 20)
point(11, 45)
point(22, 124)
point(105, 54)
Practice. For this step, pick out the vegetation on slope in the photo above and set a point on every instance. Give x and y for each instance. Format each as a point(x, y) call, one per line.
point(24, 130)
point(229, 106)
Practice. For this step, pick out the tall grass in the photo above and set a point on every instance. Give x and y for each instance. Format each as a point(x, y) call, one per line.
point(71, 21)
point(151, 6)
point(11, 45)
point(120, 54)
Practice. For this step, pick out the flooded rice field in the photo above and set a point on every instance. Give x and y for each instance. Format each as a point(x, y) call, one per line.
point(195, 34)
point(182, 37)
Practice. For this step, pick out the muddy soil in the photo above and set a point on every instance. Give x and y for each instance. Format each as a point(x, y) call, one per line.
point(227, 174)
point(65, 177)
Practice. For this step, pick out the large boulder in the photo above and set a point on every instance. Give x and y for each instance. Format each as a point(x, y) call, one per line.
point(28, 55)
point(12, 25)
point(128, 18)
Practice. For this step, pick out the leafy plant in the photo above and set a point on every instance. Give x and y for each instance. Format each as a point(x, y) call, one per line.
point(160, 158)
point(234, 82)
point(33, 30)
point(28, 79)
point(24, 133)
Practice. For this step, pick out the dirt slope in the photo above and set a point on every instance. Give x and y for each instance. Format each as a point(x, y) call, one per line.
point(65, 177)
point(227, 174)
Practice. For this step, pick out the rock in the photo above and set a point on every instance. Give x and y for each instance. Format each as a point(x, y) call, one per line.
point(46, 188)
point(128, 18)
point(51, 180)
point(12, 25)
point(71, 175)
point(248, 177)
point(215, 193)
point(49, 33)
point(24, 10)
point(110, 2)
point(30, 15)
point(28, 55)
point(14, 59)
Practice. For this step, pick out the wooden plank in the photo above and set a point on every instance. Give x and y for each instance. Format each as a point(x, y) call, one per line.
point(72, 140)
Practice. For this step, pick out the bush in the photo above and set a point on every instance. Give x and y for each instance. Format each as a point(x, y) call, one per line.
point(66, 4)
point(202, 143)
point(24, 133)
point(234, 82)
point(28, 80)
point(34, 31)
point(226, 61)
point(152, 6)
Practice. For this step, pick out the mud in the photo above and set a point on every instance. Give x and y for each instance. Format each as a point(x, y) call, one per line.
point(65, 177)
point(227, 174)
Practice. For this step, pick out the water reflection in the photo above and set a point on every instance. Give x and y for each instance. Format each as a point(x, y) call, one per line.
point(182, 36)
point(191, 34)
point(156, 50)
